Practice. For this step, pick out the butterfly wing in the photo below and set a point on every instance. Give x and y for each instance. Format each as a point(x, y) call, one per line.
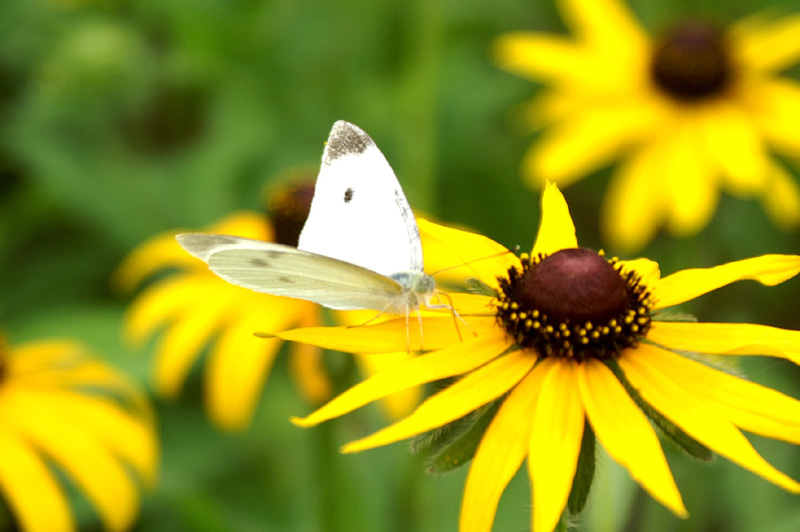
point(359, 213)
point(286, 271)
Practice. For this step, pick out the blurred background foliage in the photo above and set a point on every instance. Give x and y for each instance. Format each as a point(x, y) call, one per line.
point(120, 119)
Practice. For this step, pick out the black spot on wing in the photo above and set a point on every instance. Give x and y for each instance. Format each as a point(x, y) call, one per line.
point(260, 263)
point(345, 139)
point(348, 195)
point(285, 280)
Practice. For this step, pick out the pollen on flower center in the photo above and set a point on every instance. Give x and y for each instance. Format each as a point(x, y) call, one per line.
point(574, 303)
point(692, 62)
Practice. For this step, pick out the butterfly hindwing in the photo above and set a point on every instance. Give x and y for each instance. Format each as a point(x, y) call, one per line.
point(286, 271)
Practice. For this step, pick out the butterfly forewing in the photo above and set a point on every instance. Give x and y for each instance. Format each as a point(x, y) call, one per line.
point(359, 213)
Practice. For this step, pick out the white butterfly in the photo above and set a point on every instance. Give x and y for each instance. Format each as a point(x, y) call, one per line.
point(359, 249)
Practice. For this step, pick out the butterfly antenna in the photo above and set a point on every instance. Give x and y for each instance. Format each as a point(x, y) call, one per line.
point(473, 261)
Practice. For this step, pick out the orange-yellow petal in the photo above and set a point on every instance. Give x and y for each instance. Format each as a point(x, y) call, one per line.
point(727, 339)
point(694, 415)
point(31, 491)
point(688, 284)
point(466, 395)
point(500, 454)
point(454, 360)
point(556, 229)
point(626, 434)
point(555, 441)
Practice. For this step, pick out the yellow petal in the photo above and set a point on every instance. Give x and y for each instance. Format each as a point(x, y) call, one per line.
point(764, 46)
point(781, 198)
point(166, 300)
point(634, 205)
point(306, 365)
point(556, 229)
point(130, 437)
point(647, 270)
point(392, 335)
point(776, 108)
point(750, 406)
point(31, 491)
point(33, 357)
point(690, 179)
point(238, 365)
point(400, 403)
point(727, 339)
point(500, 454)
point(455, 360)
point(695, 416)
point(626, 434)
point(309, 374)
point(77, 450)
point(588, 139)
point(463, 253)
point(736, 147)
point(555, 442)
point(605, 24)
point(183, 342)
point(542, 56)
point(473, 391)
point(688, 284)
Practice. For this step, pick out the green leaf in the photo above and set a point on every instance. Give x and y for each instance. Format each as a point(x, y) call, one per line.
point(584, 474)
point(457, 451)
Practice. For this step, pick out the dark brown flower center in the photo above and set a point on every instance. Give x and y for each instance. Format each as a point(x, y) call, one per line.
point(288, 209)
point(692, 62)
point(574, 303)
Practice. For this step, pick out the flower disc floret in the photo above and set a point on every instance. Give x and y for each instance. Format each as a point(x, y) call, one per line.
point(692, 63)
point(575, 304)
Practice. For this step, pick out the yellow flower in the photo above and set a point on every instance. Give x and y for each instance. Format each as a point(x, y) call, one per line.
point(198, 308)
point(687, 115)
point(568, 347)
point(60, 406)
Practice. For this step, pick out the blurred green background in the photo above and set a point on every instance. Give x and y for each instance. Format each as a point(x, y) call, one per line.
point(121, 119)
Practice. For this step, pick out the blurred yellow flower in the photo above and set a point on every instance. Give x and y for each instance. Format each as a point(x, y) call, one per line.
point(61, 407)
point(687, 115)
point(198, 308)
point(565, 344)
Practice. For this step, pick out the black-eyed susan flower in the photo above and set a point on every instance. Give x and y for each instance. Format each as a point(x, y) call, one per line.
point(565, 345)
point(62, 409)
point(698, 110)
point(197, 309)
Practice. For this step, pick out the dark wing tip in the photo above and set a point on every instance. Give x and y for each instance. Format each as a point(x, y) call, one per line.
point(345, 139)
